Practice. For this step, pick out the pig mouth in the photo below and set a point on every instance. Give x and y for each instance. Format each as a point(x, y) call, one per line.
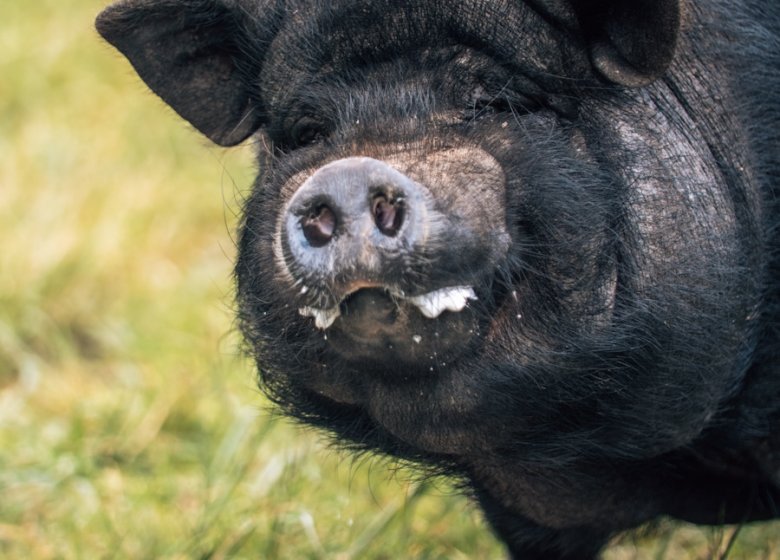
point(430, 304)
point(388, 331)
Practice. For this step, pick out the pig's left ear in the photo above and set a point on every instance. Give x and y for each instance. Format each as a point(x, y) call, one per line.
point(632, 42)
point(187, 53)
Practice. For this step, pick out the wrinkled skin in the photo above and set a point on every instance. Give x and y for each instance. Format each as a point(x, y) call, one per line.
point(531, 245)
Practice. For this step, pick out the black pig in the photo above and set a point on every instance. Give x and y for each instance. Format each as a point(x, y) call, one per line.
point(534, 245)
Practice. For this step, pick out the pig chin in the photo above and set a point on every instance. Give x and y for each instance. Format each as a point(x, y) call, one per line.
point(376, 327)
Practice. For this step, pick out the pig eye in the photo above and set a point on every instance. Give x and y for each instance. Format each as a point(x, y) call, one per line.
point(485, 106)
point(305, 132)
point(484, 103)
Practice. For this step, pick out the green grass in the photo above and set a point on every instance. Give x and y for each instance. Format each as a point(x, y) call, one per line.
point(130, 426)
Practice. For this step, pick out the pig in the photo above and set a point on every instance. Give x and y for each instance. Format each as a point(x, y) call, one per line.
point(532, 245)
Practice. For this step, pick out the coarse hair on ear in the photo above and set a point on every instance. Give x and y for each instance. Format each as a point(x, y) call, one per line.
point(189, 53)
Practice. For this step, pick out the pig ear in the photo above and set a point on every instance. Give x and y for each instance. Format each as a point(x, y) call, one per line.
point(632, 42)
point(187, 54)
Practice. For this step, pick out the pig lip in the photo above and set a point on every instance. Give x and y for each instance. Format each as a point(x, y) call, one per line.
point(430, 304)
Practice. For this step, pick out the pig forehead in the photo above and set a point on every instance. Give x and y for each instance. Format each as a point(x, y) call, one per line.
point(328, 37)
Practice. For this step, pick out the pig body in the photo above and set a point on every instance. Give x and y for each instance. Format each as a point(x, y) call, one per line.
point(530, 245)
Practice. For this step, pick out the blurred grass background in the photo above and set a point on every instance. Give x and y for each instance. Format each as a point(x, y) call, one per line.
point(130, 426)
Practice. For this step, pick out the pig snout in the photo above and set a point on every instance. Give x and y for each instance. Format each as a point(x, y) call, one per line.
point(372, 257)
point(351, 222)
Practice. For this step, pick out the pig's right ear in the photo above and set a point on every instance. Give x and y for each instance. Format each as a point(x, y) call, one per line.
point(188, 53)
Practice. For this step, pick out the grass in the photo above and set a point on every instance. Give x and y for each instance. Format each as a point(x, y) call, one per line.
point(129, 422)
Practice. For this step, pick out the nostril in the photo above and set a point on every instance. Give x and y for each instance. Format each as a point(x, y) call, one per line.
point(388, 214)
point(318, 225)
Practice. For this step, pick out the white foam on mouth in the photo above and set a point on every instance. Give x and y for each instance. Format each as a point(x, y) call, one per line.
point(431, 305)
point(323, 318)
point(435, 303)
